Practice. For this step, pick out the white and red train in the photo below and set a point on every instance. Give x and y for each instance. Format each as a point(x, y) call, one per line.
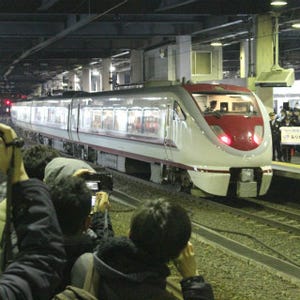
point(212, 137)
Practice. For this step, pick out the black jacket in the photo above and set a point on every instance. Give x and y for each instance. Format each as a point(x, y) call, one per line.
point(37, 269)
point(77, 245)
point(127, 273)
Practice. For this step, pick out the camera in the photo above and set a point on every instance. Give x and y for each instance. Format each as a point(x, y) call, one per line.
point(100, 181)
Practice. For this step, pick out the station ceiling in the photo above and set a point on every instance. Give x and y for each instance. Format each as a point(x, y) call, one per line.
point(42, 38)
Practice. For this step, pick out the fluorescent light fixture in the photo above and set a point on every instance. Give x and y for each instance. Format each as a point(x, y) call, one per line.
point(296, 25)
point(95, 72)
point(121, 54)
point(216, 44)
point(278, 3)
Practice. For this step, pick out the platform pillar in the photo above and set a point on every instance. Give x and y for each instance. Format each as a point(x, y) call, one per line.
point(106, 75)
point(264, 56)
point(86, 79)
point(183, 57)
point(137, 66)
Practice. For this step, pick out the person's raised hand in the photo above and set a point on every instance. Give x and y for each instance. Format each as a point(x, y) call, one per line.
point(102, 202)
point(7, 137)
point(186, 262)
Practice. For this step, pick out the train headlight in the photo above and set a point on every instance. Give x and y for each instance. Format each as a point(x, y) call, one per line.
point(222, 136)
point(225, 139)
point(258, 134)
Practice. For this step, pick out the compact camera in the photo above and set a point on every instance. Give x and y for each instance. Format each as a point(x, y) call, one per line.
point(100, 181)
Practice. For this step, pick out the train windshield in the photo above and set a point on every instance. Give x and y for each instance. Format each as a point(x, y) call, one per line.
point(238, 104)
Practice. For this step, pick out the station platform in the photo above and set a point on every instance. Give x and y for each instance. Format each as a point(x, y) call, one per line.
point(289, 170)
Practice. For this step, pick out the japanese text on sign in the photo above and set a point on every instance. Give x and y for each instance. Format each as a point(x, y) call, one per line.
point(290, 135)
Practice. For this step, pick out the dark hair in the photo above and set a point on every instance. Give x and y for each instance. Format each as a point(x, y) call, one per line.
point(36, 158)
point(161, 228)
point(72, 201)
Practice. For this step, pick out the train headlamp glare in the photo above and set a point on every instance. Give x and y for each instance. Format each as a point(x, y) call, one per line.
point(222, 136)
point(258, 134)
point(225, 139)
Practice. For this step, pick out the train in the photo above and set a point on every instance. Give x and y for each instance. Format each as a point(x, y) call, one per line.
point(211, 138)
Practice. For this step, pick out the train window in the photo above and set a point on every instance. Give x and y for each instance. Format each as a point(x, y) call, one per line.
point(96, 120)
point(120, 120)
point(224, 106)
point(21, 113)
point(134, 123)
point(201, 101)
point(227, 103)
point(240, 107)
point(178, 112)
point(85, 118)
point(74, 118)
point(39, 115)
point(108, 119)
point(152, 119)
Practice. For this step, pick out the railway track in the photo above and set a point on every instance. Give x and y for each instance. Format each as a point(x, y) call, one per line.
point(285, 267)
point(267, 215)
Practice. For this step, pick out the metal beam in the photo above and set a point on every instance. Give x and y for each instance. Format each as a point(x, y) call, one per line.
point(59, 36)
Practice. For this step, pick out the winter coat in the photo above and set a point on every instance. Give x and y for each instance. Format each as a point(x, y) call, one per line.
point(37, 269)
point(77, 245)
point(128, 273)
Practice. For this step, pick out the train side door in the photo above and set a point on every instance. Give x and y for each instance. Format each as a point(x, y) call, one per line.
point(168, 135)
point(73, 119)
point(178, 128)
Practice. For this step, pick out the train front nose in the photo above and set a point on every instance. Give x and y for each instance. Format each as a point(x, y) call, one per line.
point(239, 133)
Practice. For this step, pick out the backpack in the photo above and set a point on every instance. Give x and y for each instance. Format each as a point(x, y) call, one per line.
point(73, 293)
point(87, 292)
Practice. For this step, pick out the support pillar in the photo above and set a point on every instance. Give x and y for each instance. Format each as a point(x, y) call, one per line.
point(265, 56)
point(183, 57)
point(86, 79)
point(137, 66)
point(106, 75)
point(71, 81)
point(244, 59)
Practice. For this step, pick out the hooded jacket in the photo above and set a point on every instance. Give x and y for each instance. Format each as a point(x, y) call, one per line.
point(128, 273)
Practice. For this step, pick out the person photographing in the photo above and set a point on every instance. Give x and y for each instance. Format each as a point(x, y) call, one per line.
point(36, 271)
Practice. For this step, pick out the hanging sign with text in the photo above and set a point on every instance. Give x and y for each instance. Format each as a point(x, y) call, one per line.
point(290, 135)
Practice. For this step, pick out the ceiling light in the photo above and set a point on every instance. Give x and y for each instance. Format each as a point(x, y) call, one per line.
point(216, 44)
point(278, 3)
point(296, 25)
point(95, 72)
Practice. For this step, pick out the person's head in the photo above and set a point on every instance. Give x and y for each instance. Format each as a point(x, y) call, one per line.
point(161, 228)
point(36, 158)
point(213, 104)
point(287, 120)
point(60, 167)
point(272, 115)
point(72, 201)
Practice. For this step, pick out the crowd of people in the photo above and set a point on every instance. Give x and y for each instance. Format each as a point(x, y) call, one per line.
point(286, 118)
point(53, 238)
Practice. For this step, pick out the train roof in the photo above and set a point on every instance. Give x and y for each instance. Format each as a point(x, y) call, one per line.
point(160, 87)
